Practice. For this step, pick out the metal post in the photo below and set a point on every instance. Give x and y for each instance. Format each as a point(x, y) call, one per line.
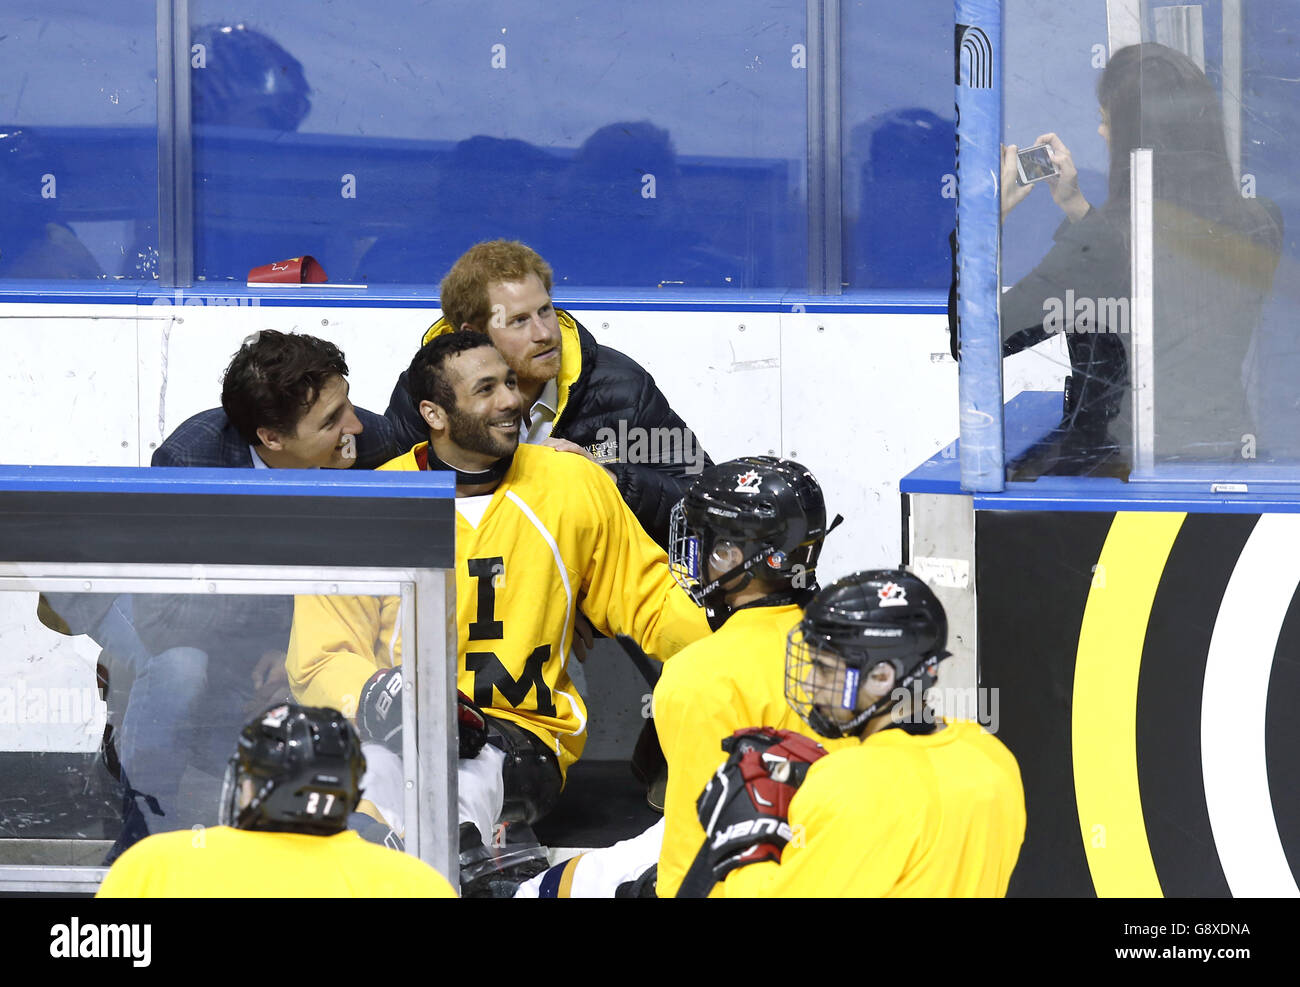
point(436, 658)
point(1142, 220)
point(825, 237)
point(1232, 52)
point(978, 77)
point(175, 146)
point(1124, 19)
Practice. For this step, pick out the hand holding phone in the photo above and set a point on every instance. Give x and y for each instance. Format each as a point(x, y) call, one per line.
point(1035, 163)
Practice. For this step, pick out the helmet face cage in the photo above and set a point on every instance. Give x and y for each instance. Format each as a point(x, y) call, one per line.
point(691, 546)
point(685, 559)
point(822, 687)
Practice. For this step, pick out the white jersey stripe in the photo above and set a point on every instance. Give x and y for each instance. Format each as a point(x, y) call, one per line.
point(568, 597)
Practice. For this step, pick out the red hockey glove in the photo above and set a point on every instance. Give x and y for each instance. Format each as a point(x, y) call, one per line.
point(745, 807)
point(472, 724)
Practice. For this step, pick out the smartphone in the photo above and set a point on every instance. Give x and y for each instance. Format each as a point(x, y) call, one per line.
point(1035, 164)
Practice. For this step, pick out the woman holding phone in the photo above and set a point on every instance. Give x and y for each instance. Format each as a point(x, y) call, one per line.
point(1215, 254)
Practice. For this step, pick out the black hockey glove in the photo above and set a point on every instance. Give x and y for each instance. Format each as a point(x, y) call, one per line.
point(373, 831)
point(379, 713)
point(745, 807)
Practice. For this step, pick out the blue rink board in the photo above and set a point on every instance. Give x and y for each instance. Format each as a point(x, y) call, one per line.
point(185, 480)
point(1271, 489)
point(876, 301)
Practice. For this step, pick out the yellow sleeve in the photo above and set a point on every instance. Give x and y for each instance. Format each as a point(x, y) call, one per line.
point(121, 881)
point(626, 583)
point(337, 643)
point(132, 874)
point(693, 716)
point(853, 834)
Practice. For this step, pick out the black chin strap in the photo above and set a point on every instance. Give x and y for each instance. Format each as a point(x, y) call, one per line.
point(493, 474)
point(886, 703)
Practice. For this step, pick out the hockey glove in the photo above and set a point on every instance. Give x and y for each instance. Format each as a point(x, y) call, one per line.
point(472, 726)
point(745, 807)
point(373, 831)
point(379, 713)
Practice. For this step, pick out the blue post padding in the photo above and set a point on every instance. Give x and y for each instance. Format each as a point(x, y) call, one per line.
point(978, 76)
point(171, 480)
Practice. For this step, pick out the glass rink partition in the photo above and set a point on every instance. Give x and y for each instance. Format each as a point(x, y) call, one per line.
point(1140, 254)
point(708, 148)
point(146, 616)
point(1116, 534)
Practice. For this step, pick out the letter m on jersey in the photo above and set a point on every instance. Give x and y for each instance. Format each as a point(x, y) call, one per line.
point(488, 670)
point(490, 673)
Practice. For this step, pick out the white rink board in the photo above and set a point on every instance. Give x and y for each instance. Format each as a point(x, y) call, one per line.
point(49, 698)
point(858, 399)
point(68, 385)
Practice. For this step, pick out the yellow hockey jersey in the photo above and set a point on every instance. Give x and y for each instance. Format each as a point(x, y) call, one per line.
point(222, 862)
point(555, 537)
point(901, 816)
point(724, 683)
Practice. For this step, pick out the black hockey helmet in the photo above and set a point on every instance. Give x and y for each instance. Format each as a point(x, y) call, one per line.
point(857, 624)
point(296, 769)
point(771, 509)
point(248, 80)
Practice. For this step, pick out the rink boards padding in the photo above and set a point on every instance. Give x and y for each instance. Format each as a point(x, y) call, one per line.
point(1148, 669)
point(215, 529)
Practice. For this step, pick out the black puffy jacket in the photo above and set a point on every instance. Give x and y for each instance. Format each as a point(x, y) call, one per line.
point(603, 396)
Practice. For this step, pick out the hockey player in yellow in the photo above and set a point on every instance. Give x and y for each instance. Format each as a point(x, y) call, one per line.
point(756, 524)
point(744, 545)
point(540, 535)
point(289, 789)
point(921, 807)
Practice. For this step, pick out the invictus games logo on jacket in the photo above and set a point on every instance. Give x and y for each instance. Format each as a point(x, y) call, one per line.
point(604, 452)
point(640, 446)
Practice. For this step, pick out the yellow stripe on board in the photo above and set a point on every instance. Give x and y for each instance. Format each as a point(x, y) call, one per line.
point(1104, 715)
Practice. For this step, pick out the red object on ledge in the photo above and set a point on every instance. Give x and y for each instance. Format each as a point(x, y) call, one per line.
point(296, 270)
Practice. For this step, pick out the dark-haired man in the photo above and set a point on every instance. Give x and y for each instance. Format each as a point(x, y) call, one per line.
point(540, 537)
point(577, 395)
point(284, 405)
point(198, 663)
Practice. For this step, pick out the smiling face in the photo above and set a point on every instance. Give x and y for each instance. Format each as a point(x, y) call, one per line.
point(324, 437)
point(483, 425)
point(524, 327)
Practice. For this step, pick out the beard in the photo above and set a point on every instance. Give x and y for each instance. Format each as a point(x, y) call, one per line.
point(475, 434)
